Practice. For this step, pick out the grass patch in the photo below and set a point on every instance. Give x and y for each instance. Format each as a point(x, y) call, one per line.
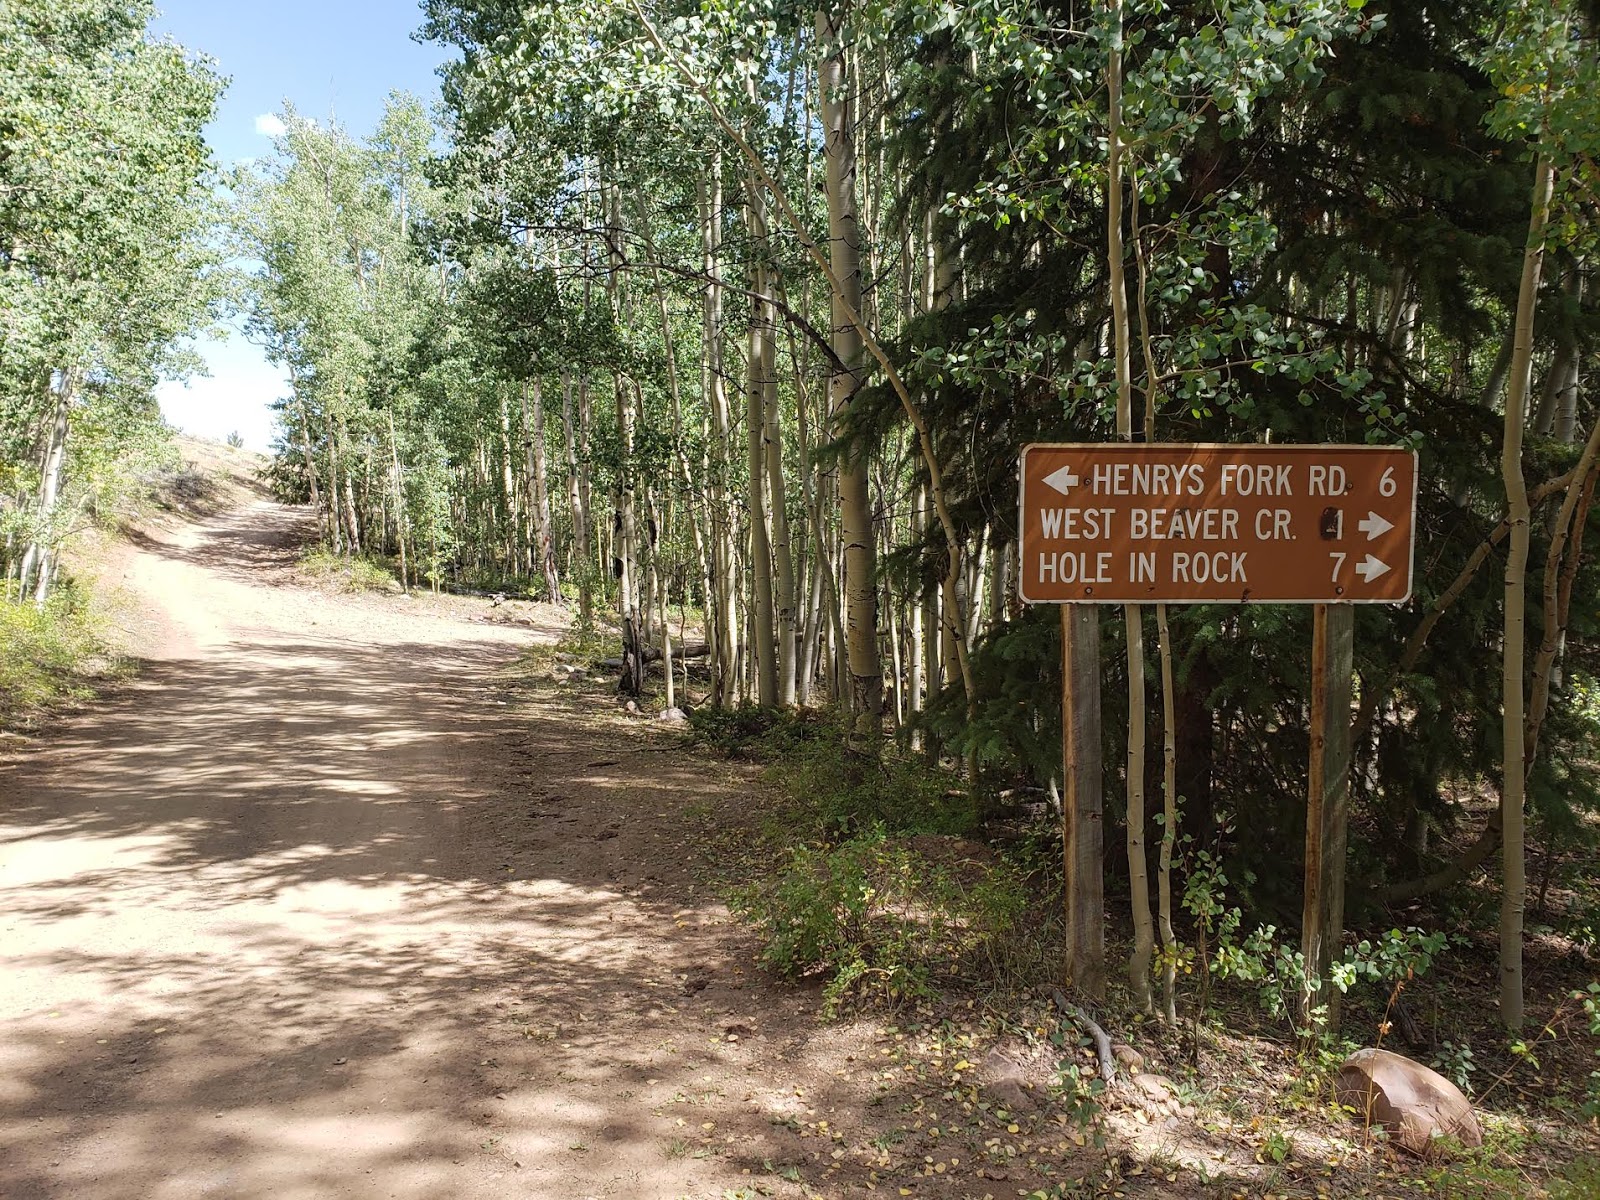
point(349, 574)
point(48, 656)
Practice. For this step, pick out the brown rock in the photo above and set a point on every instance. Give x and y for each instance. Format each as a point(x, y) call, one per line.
point(1129, 1059)
point(1416, 1105)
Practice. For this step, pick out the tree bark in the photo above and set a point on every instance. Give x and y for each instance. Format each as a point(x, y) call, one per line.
point(1513, 789)
point(763, 645)
point(1133, 620)
point(1327, 806)
point(724, 636)
point(400, 520)
point(533, 441)
point(578, 496)
point(38, 562)
point(844, 244)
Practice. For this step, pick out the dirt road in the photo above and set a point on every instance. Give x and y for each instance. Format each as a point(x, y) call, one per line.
point(317, 908)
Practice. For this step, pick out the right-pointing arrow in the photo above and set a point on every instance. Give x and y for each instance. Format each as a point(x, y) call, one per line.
point(1370, 568)
point(1374, 526)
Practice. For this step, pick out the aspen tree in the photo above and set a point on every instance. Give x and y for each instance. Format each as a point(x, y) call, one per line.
point(1513, 897)
point(1133, 617)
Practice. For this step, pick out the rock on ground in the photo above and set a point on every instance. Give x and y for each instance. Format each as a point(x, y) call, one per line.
point(1416, 1105)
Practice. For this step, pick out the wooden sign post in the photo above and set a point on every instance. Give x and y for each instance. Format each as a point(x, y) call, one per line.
point(1082, 830)
point(1118, 523)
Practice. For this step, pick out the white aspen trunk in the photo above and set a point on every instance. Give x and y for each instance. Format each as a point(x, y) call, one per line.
point(844, 243)
point(810, 638)
point(723, 637)
point(940, 285)
point(763, 645)
point(1513, 786)
point(334, 517)
point(624, 520)
point(1169, 753)
point(400, 520)
point(783, 581)
point(351, 515)
point(1133, 620)
point(578, 501)
point(38, 560)
point(825, 626)
point(509, 490)
point(666, 650)
point(533, 416)
point(310, 459)
point(1565, 425)
point(651, 604)
point(980, 567)
point(895, 628)
point(915, 677)
point(1169, 823)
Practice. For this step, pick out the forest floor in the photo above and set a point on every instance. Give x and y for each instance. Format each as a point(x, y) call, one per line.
point(340, 897)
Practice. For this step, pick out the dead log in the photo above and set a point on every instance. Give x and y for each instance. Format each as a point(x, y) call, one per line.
point(652, 654)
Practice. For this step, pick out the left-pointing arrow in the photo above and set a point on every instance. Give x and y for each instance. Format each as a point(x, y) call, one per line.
point(1062, 479)
point(1370, 568)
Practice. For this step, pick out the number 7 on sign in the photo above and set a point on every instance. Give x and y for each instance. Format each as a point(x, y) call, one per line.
point(1338, 557)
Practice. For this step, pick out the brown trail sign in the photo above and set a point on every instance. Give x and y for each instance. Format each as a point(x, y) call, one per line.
point(1117, 523)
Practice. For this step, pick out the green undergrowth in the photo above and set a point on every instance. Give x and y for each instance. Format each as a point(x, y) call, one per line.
point(48, 656)
point(870, 881)
point(364, 574)
point(839, 784)
point(881, 919)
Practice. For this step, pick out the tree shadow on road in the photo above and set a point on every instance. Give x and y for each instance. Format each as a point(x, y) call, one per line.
point(316, 910)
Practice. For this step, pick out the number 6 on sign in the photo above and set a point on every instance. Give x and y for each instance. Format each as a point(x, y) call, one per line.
point(1338, 557)
point(1386, 485)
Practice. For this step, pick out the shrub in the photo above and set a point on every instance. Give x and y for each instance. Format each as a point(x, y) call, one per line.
point(879, 920)
point(765, 734)
point(349, 574)
point(45, 654)
point(1589, 1000)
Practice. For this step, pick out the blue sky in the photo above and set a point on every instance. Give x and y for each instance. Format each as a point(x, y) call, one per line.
point(336, 58)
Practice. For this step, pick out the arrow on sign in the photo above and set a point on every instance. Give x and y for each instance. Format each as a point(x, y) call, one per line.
point(1370, 568)
point(1374, 526)
point(1062, 479)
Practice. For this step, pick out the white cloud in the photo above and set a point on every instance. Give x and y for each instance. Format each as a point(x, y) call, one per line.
point(269, 125)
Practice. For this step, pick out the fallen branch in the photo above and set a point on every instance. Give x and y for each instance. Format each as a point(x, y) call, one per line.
point(1102, 1040)
point(1451, 873)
